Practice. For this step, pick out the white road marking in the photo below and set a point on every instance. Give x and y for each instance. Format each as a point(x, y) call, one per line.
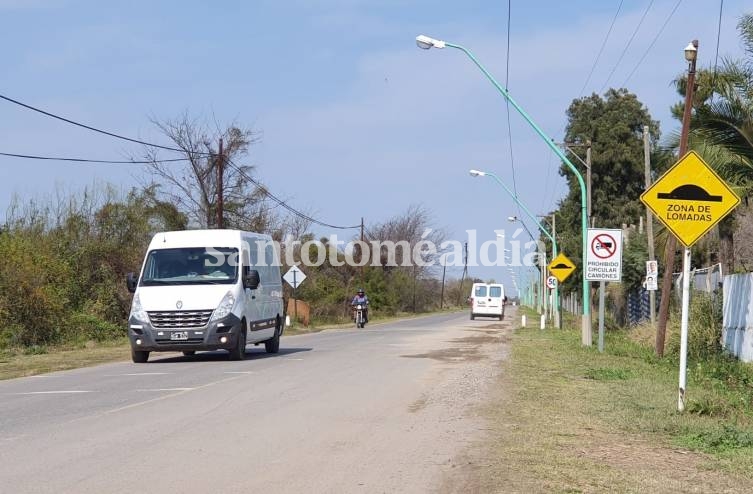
point(62, 392)
point(140, 374)
point(166, 389)
point(296, 359)
point(239, 372)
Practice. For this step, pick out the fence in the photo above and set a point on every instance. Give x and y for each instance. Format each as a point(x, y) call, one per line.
point(737, 323)
point(707, 280)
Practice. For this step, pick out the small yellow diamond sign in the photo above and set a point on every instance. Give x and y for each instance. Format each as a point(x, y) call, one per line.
point(690, 198)
point(561, 267)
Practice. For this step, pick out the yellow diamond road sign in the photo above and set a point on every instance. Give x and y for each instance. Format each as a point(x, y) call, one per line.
point(690, 198)
point(561, 267)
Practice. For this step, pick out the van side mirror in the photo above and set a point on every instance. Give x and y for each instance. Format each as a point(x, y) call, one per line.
point(131, 281)
point(251, 279)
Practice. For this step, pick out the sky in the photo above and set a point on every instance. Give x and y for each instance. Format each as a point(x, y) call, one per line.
point(355, 121)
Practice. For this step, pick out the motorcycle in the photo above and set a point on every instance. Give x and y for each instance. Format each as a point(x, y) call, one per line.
point(358, 315)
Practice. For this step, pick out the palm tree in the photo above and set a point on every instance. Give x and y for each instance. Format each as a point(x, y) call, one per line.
point(722, 128)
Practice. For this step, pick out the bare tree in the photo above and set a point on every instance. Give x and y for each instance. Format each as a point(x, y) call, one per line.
point(193, 187)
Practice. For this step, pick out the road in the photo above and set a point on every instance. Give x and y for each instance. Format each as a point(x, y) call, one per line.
point(385, 409)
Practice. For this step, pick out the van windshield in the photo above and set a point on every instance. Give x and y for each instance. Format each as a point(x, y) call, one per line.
point(191, 266)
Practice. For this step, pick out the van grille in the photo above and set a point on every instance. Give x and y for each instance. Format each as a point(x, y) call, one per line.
point(175, 319)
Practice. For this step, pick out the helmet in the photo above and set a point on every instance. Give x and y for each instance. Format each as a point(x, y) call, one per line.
point(360, 291)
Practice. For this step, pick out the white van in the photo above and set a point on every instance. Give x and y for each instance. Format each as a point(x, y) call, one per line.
point(488, 300)
point(206, 290)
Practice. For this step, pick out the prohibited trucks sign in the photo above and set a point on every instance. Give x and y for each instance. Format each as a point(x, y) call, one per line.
point(604, 255)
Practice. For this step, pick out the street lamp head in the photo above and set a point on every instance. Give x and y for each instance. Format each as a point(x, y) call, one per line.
point(425, 42)
point(476, 173)
point(691, 51)
point(512, 219)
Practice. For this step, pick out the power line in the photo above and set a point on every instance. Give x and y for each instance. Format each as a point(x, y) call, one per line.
point(86, 160)
point(716, 57)
point(284, 204)
point(601, 50)
point(94, 129)
point(653, 42)
point(627, 46)
point(507, 101)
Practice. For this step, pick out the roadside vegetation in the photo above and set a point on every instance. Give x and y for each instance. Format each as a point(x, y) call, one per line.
point(569, 419)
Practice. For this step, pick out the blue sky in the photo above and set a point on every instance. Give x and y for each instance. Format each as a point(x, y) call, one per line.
point(355, 120)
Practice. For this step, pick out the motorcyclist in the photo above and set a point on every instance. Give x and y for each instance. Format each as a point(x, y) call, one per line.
point(363, 300)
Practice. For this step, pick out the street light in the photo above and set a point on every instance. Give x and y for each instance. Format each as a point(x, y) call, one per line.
point(479, 173)
point(691, 51)
point(426, 42)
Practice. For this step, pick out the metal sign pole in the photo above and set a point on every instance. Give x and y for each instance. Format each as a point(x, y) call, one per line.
point(601, 317)
point(684, 329)
point(295, 300)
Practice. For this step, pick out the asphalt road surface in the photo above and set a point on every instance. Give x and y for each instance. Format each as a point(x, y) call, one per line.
point(385, 409)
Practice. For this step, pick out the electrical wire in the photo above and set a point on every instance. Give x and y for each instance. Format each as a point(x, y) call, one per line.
point(716, 57)
point(653, 42)
point(94, 129)
point(507, 101)
point(284, 204)
point(627, 46)
point(86, 160)
point(601, 50)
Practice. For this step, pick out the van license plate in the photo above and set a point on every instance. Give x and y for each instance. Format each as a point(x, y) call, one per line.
point(179, 335)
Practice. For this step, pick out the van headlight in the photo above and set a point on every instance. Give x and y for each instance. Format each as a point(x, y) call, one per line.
point(137, 311)
point(225, 307)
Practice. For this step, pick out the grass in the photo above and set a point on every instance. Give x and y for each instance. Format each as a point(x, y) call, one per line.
point(569, 419)
point(40, 360)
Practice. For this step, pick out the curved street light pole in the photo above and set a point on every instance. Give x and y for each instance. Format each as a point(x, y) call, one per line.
point(479, 173)
point(425, 42)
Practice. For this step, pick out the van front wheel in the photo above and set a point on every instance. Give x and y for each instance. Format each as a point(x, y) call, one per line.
point(239, 352)
point(139, 357)
point(272, 345)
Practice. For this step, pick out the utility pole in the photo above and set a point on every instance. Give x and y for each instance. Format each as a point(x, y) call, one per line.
point(441, 296)
point(588, 184)
point(360, 261)
point(220, 183)
point(669, 251)
point(465, 272)
point(649, 219)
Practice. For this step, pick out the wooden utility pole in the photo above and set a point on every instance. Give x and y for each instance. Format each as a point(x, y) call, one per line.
point(669, 251)
point(649, 219)
point(220, 183)
point(465, 272)
point(441, 296)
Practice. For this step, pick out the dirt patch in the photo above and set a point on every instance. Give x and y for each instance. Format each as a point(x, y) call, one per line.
point(498, 325)
point(450, 355)
point(478, 339)
point(418, 405)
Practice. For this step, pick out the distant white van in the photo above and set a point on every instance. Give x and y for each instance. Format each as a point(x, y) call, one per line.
point(487, 300)
point(206, 290)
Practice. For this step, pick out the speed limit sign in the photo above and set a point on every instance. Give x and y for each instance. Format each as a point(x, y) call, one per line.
point(551, 282)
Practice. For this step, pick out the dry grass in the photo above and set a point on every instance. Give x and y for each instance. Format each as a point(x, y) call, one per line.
point(14, 365)
point(568, 419)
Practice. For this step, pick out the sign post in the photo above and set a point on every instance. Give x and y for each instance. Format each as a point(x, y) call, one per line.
point(603, 263)
point(689, 199)
point(294, 277)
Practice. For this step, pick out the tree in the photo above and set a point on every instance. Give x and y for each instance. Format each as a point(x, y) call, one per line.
point(614, 125)
point(193, 188)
